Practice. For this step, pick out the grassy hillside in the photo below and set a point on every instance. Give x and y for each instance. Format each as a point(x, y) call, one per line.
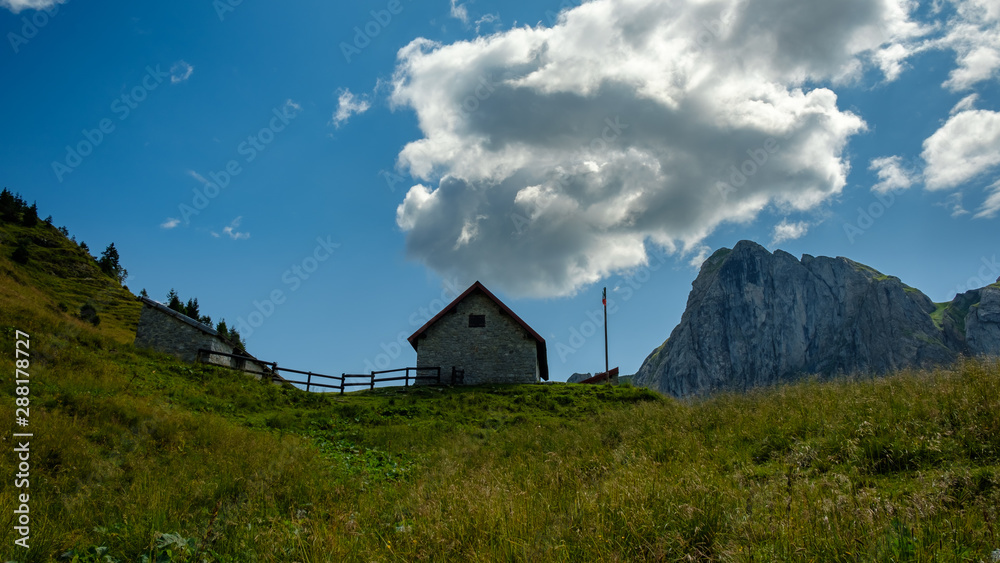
point(139, 457)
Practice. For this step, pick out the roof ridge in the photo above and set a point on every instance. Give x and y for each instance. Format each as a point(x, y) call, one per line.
point(476, 286)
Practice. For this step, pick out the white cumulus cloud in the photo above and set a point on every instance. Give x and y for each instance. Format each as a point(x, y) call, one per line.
point(892, 175)
point(965, 147)
point(974, 34)
point(788, 231)
point(554, 156)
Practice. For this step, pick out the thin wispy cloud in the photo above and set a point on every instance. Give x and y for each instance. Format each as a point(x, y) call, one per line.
point(493, 19)
point(197, 176)
point(991, 207)
point(953, 203)
point(17, 5)
point(180, 71)
point(232, 232)
point(459, 11)
point(170, 223)
point(347, 106)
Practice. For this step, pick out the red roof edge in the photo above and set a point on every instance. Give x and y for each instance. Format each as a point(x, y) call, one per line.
point(543, 363)
point(601, 376)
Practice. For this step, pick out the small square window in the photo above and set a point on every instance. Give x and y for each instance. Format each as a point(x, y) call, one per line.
point(477, 321)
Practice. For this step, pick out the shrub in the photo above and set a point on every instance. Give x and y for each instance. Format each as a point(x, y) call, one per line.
point(20, 254)
point(89, 313)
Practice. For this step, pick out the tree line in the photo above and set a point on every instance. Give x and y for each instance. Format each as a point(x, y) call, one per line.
point(14, 210)
point(192, 309)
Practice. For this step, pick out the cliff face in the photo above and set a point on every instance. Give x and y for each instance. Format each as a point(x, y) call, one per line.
point(756, 318)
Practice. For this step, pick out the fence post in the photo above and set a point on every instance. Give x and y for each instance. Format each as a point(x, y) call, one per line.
point(343, 376)
point(373, 382)
point(406, 379)
point(309, 379)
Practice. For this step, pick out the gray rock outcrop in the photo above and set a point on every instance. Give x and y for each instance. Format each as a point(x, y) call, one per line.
point(755, 318)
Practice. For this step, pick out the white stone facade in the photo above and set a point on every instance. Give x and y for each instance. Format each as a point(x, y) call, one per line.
point(500, 351)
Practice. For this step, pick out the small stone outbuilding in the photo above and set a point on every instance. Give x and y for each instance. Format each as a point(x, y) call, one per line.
point(165, 330)
point(478, 335)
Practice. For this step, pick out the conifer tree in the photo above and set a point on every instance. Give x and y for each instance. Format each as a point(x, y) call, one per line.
point(191, 309)
point(10, 211)
point(174, 302)
point(30, 216)
point(108, 262)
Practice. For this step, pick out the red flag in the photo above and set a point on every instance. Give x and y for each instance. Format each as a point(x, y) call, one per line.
point(604, 297)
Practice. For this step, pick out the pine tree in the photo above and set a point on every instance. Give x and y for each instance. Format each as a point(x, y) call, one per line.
point(30, 216)
point(191, 309)
point(174, 302)
point(234, 335)
point(222, 329)
point(10, 211)
point(143, 293)
point(108, 262)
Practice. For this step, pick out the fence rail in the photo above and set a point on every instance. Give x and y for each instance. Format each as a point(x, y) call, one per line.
point(343, 380)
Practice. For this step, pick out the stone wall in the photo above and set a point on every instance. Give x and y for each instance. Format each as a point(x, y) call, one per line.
point(163, 332)
point(500, 352)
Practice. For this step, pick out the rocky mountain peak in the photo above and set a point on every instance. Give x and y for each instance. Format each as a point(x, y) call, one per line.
point(755, 318)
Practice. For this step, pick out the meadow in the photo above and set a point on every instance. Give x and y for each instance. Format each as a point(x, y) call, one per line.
point(139, 457)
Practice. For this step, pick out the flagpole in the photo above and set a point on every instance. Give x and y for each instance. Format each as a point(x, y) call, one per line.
point(604, 300)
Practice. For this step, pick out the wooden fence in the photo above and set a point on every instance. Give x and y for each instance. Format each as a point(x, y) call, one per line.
point(270, 371)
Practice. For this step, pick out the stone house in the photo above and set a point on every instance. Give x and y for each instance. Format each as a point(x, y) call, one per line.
point(481, 337)
point(165, 330)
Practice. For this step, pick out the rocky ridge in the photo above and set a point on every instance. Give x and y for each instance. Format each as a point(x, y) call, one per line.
point(758, 318)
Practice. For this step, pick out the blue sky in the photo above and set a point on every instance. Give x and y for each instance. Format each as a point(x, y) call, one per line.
point(342, 170)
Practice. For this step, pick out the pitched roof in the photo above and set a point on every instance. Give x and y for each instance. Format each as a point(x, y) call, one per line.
point(601, 377)
point(156, 305)
point(179, 316)
point(542, 358)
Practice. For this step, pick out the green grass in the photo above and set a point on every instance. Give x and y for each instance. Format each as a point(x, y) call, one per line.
point(138, 455)
point(938, 315)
